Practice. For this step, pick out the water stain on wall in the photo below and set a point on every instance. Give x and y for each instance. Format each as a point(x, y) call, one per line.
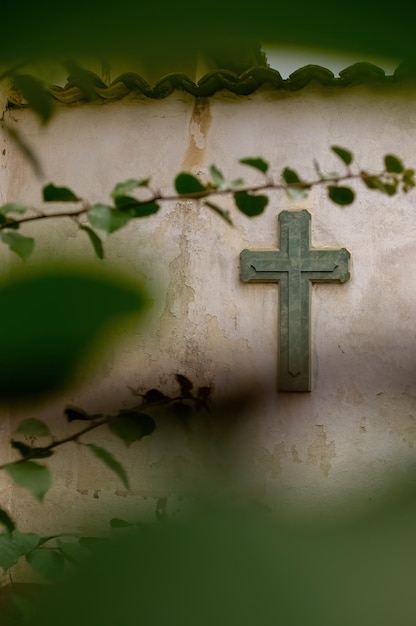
point(198, 129)
point(321, 452)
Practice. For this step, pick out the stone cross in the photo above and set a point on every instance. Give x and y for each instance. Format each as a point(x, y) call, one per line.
point(295, 266)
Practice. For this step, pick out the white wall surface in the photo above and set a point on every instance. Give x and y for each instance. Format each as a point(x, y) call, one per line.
point(331, 449)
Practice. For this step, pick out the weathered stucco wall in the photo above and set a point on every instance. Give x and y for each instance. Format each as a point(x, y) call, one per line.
point(333, 447)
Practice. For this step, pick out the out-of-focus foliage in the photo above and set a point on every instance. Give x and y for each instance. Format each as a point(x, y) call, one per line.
point(51, 318)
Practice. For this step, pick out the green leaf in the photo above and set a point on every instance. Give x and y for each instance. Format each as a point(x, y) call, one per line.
point(131, 427)
point(33, 427)
point(186, 183)
point(22, 246)
point(73, 414)
point(30, 451)
point(116, 522)
point(250, 204)
point(257, 163)
point(290, 176)
point(15, 545)
point(217, 176)
point(32, 476)
point(185, 385)
point(47, 561)
point(7, 521)
point(222, 212)
point(341, 195)
point(106, 218)
point(139, 209)
point(123, 189)
point(393, 164)
point(297, 193)
point(13, 207)
point(95, 240)
point(54, 318)
point(39, 99)
point(58, 194)
point(72, 551)
point(344, 154)
point(107, 458)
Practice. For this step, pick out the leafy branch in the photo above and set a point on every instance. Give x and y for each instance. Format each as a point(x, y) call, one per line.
point(126, 204)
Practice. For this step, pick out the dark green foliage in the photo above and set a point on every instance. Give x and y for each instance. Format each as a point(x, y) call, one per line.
point(250, 204)
point(187, 184)
point(257, 163)
point(51, 193)
point(131, 427)
point(46, 335)
point(341, 195)
point(345, 155)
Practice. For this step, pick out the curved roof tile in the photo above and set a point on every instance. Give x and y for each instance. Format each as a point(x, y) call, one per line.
point(92, 87)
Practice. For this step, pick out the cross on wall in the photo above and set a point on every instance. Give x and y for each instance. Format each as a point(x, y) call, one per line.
point(295, 266)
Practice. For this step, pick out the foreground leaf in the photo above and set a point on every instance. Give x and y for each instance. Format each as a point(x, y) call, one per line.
point(15, 545)
point(37, 478)
point(112, 463)
point(39, 99)
point(186, 183)
point(131, 427)
point(58, 194)
point(22, 246)
point(53, 319)
point(257, 163)
point(250, 204)
point(47, 562)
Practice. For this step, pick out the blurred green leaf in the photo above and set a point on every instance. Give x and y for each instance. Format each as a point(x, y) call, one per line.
point(221, 212)
point(36, 94)
point(290, 176)
point(33, 427)
point(131, 427)
point(123, 189)
point(112, 463)
point(51, 193)
point(72, 551)
point(24, 148)
point(107, 218)
point(135, 208)
point(186, 183)
point(257, 163)
point(53, 319)
point(95, 241)
point(344, 154)
point(37, 478)
point(73, 414)
point(13, 207)
point(217, 176)
point(14, 545)
point(341, 195)
point(393, 164)
point(47, 562)
point(7, 521)
point(250, 204)
point(21, 245)
point(116, 522)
